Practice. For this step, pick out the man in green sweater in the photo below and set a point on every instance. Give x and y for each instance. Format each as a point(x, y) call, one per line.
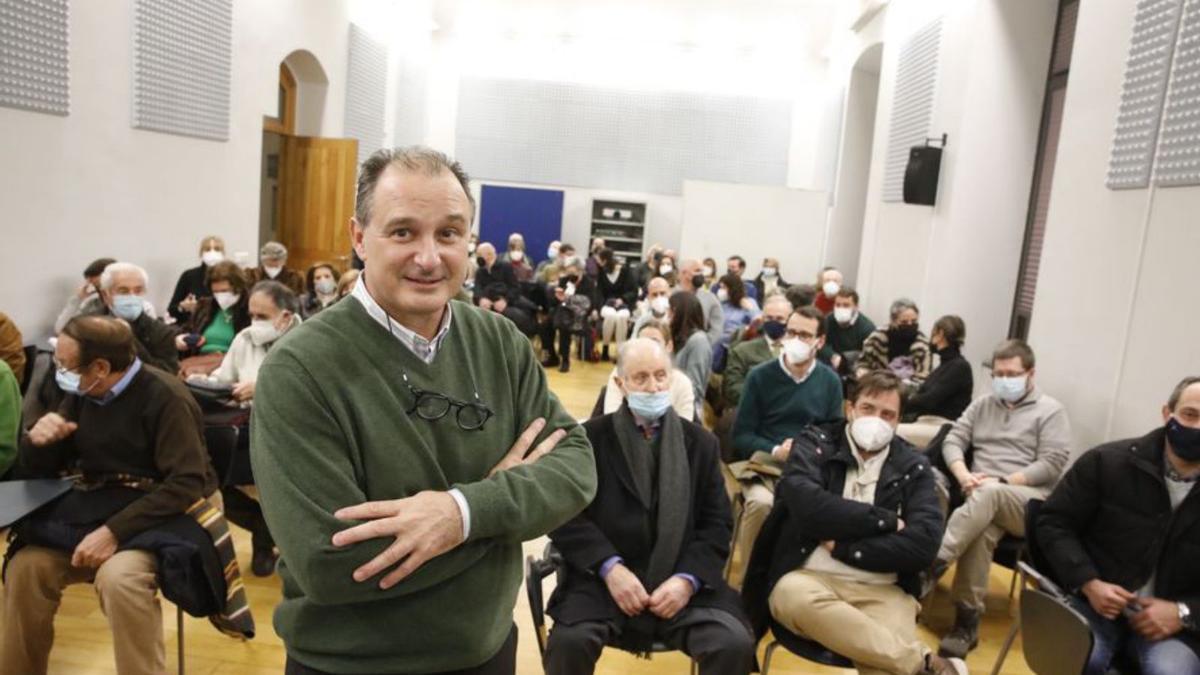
point(746, 355)
point(390, 442)
point(846, 328)
point(780, 398)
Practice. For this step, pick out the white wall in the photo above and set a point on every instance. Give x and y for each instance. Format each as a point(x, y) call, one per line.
point(843, 240)
point(79, 187)
point(1113, 319)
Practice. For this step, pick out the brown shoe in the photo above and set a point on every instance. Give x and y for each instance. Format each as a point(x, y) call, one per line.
point(937, 665)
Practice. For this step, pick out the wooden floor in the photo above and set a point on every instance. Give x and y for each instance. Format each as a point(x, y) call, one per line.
point(84, 644)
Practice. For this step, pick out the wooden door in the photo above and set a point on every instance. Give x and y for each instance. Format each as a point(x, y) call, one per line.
point(317, 200)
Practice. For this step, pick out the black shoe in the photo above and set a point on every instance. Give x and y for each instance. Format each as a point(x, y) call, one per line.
point(551, 362)
point(262, 564)
point(604, 354)
point(964, 636)
point(565, 367)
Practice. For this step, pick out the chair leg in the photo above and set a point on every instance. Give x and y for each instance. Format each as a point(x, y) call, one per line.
point(695, 667)
point(1012, 592)
point(179, 635)
point(1008, 642)
point(767, 656)
point(738, 505)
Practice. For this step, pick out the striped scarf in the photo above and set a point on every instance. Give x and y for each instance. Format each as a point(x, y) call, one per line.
point(235, 619)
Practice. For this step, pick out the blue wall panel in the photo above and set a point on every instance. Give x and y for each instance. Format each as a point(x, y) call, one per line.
point(536, 214)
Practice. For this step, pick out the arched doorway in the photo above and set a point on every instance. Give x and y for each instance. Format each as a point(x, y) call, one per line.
point(854, 165)
point(307, 195)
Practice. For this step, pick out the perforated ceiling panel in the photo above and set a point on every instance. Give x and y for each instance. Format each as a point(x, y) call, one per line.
point(567, 134)
point(33, 55)
point(1178, 161)
point(411, 100)
point(1146, 72)
point(912, 105)
point(181, 65)
point(366, 91)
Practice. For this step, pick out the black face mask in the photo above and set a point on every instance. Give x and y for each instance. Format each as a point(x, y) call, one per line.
point(1185, 441)
point(568, 279)
point(906, 333)
point(774, 329)
point(698, 281)
point(480, 261)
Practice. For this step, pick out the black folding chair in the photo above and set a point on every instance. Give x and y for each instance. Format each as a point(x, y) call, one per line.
point(536, 570)
point(809, 650)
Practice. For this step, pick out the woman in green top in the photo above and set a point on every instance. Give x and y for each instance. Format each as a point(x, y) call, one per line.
point(219, 318)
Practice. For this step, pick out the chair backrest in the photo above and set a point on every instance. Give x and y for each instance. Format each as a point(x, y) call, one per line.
point(810, 650)
point(31, 352)
point(1056, 638)
point(598, 409)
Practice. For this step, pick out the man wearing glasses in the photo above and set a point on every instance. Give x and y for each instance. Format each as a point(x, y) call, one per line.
point(1020, 440)
point(405, 445)
point(780, 398)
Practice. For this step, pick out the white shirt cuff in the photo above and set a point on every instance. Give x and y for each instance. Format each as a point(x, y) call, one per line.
point(463, 509)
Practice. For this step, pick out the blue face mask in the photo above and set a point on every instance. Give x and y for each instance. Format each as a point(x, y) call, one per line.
point(1010, 389)
point(68, 381)
point(774, 329)
point(649, 406)
point(128, 307)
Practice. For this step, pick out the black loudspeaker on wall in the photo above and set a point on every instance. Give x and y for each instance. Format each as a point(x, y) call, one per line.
point(921, 175)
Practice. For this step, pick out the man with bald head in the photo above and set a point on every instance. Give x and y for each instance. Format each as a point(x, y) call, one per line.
point(493, 277)
point(656, 304)
point(691, 279)
point(644, 560)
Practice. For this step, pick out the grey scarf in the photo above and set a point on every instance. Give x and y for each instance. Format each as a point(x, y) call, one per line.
point(673, 498)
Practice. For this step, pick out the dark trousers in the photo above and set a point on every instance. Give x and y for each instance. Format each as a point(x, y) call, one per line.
point(574, 650)
point(503, 663)
point(244, 511)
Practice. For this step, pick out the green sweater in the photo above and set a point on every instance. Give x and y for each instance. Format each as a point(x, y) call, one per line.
point(774, 408)
point(329, 430)
point(742, 358)
point(10, 416)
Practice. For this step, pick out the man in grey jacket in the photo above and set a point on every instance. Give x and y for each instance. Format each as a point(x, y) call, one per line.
point(1021, 442)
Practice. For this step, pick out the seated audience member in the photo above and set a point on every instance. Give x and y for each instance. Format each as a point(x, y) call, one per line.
point(617, 294)
point(12, 347)
point(738, 312)
point(668, 270)
point(1120, 531)
point(780, 398)
point(693, 353)
point(346, 282)
point(274, 310)
point(495, 298)
point(491, 271)
point(136, 434)
point(547, 270)
point(691, 278)
point(709, 271)
point(901, 347)
point(644, 559)
point(829, 282)
point(193, 283)
point(592, 264)
point(655, 306)
point(846, 329)
point(801, 295)
point(647, 268)
point(123, 295)
point(570, 306)
point(86, 296)
point(751, 352)
point(769, 280)
point(322, 282)
point(273, 267)
point(1021, 440)
point(736, 265)
point(217, 319)
point(947, 392)
point(10, 417)
point(515, 255)
point(683, 400)
point(855, 522)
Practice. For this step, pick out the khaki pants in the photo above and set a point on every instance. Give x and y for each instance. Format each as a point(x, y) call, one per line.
point(873, 625)
point(973, 532)
point(758, 496)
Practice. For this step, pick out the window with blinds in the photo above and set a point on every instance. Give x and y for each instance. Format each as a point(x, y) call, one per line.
point(1043, 171)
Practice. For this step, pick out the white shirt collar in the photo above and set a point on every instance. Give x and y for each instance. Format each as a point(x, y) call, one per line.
point(424, 349)
point(803, 378)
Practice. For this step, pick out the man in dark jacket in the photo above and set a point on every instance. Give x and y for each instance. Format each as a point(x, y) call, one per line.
point(1121, 532)
point(855, 520)
point(491, 272)
point(123, 292)
point(644, 560)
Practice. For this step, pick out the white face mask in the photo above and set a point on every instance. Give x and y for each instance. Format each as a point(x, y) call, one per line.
point(665, 268)
point(722, 295)
point(325, 286)
point(798, 351)
point(871, 434)
point(518, 256)
point(843, 315)
point(660, 304)
point(272, 271)
point(831, 288)
point(770, 272)
point(225, 299)
point(552, 253)
point(569, 290)
point(708, 272)
point(212, 257)
point(263, 331)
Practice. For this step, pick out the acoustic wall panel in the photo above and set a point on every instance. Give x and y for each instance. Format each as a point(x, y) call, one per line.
point(33, 55)
point(650, 141)
point(181, 66)
point(1178, 161)
point(1146, 72)
point(411, 102)
point(366, 91)
point(912, 105)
